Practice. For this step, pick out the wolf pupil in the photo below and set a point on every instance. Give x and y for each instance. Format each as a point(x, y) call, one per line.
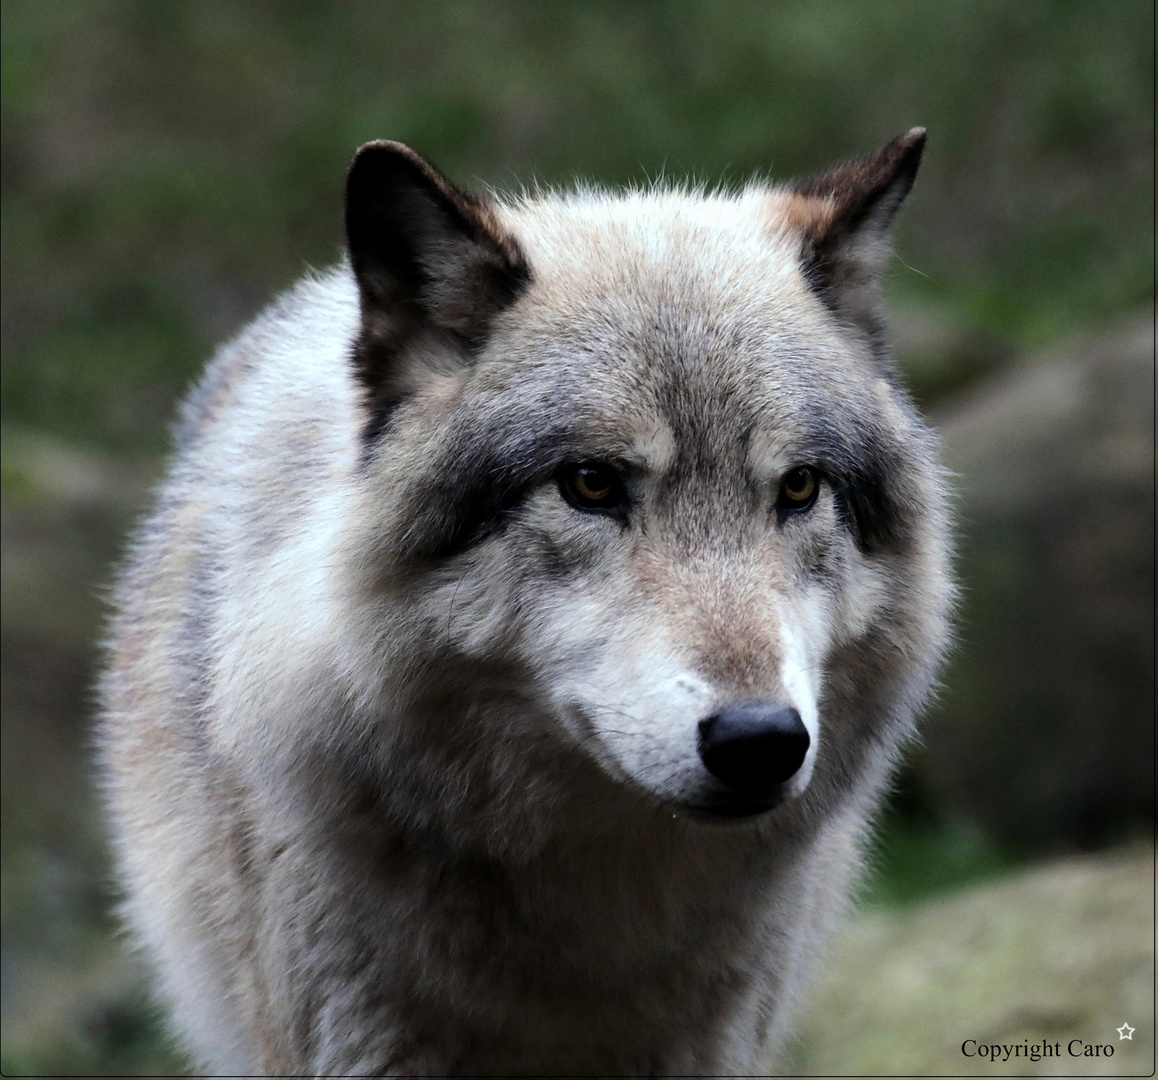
point(798, 489)
point(590, 487)
point(589, 484)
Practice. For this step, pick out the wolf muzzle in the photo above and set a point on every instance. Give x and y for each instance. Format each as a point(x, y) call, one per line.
point(752, 750)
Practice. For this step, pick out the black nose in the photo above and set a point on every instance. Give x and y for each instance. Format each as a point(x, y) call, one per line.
point(753, 748)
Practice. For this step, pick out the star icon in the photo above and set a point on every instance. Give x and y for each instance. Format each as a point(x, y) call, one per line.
point(1125, 1032)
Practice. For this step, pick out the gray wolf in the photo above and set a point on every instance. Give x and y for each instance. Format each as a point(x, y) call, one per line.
point(525, 632)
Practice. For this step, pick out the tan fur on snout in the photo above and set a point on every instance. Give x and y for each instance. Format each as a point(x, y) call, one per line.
point(402, 738)
point(721, 610)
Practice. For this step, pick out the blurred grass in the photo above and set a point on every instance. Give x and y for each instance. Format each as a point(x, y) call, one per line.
point(915, 860)
point(165, 166)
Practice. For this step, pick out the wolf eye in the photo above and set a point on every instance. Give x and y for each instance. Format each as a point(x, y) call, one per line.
point(592, 487)
point(798, 489)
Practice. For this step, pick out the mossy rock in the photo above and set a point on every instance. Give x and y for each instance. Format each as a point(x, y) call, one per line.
point(1060, 952)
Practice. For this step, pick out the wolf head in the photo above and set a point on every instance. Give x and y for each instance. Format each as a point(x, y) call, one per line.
point(638, 464)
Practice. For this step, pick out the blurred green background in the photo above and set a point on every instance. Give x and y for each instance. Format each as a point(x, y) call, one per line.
point(167, 167)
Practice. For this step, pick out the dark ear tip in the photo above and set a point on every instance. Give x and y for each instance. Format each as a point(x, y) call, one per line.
point(909, 147)
point(384, 148)
point(381, 155)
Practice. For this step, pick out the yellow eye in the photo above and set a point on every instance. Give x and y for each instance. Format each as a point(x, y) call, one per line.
point(592, 487)
point(798, 489)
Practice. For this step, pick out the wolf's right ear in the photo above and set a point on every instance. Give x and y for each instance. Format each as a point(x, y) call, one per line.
point(433, 268)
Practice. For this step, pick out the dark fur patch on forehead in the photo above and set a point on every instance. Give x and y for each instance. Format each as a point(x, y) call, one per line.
point(868, 476)
point(509, 441)
point(869, 510)
point(479, 483)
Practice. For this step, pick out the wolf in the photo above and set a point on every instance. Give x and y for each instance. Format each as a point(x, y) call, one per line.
point(528, 624)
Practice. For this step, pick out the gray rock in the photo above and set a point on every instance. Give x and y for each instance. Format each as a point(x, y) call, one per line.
point(1046, 733)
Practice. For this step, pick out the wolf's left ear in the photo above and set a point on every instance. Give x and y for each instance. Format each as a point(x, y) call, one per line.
point(843, 216)
point(433, 268)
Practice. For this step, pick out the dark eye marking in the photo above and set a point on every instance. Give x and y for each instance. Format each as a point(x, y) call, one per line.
point(798, 490)
point(595, 487)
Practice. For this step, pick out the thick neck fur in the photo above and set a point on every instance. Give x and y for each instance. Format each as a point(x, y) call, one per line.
point(616, 925)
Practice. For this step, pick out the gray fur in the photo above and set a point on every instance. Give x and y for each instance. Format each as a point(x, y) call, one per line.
point(400, 746)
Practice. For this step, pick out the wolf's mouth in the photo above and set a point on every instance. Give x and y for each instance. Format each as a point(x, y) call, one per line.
point(730, 808)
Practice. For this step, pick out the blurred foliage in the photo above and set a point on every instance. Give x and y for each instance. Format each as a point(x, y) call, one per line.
point(166, 167)
point(921, 850)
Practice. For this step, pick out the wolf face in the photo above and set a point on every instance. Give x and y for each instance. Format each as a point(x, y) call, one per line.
point(664, 470)
point(526, 627)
